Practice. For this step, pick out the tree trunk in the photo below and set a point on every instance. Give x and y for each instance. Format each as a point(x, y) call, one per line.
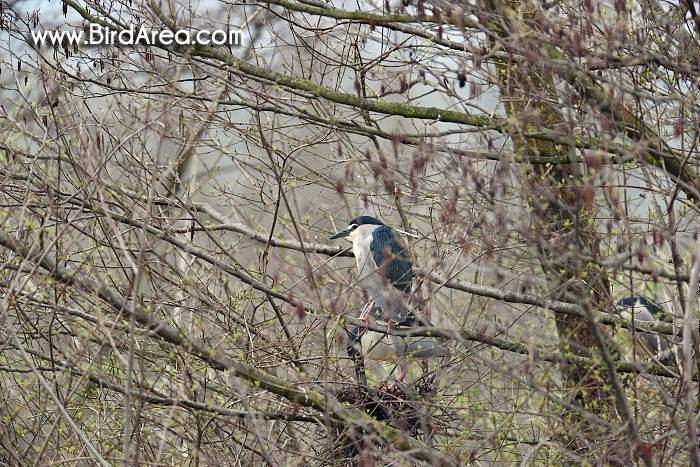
point(560, 199)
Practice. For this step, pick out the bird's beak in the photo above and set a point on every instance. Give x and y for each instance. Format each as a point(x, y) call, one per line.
point(341, 234)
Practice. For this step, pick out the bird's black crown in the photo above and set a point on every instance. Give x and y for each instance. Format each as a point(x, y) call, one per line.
point(365, 220)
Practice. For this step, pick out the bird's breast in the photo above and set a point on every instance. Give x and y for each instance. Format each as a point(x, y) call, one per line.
point(360, 249)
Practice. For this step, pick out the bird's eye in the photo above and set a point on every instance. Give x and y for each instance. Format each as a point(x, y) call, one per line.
point(352, 226)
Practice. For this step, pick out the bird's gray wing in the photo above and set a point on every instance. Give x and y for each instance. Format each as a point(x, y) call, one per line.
point(656, 311)
point(392, 259)
point(422, 346)
point(425, 347)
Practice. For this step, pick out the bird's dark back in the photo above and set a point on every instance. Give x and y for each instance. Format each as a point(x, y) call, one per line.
point(392, 258)
point(634, 300)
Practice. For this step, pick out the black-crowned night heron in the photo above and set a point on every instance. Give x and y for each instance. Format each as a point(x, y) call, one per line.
point(385, 273)
point(658, 345)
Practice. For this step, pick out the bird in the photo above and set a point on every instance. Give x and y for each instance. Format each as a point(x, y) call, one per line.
point(385, 272)
point(384, 269)
point(659, 345)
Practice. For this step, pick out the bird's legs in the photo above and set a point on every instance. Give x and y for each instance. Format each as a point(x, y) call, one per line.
point(403, 367)
point(403, 373)
point(367, 311)
point(389, 325)
point(364, 316)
